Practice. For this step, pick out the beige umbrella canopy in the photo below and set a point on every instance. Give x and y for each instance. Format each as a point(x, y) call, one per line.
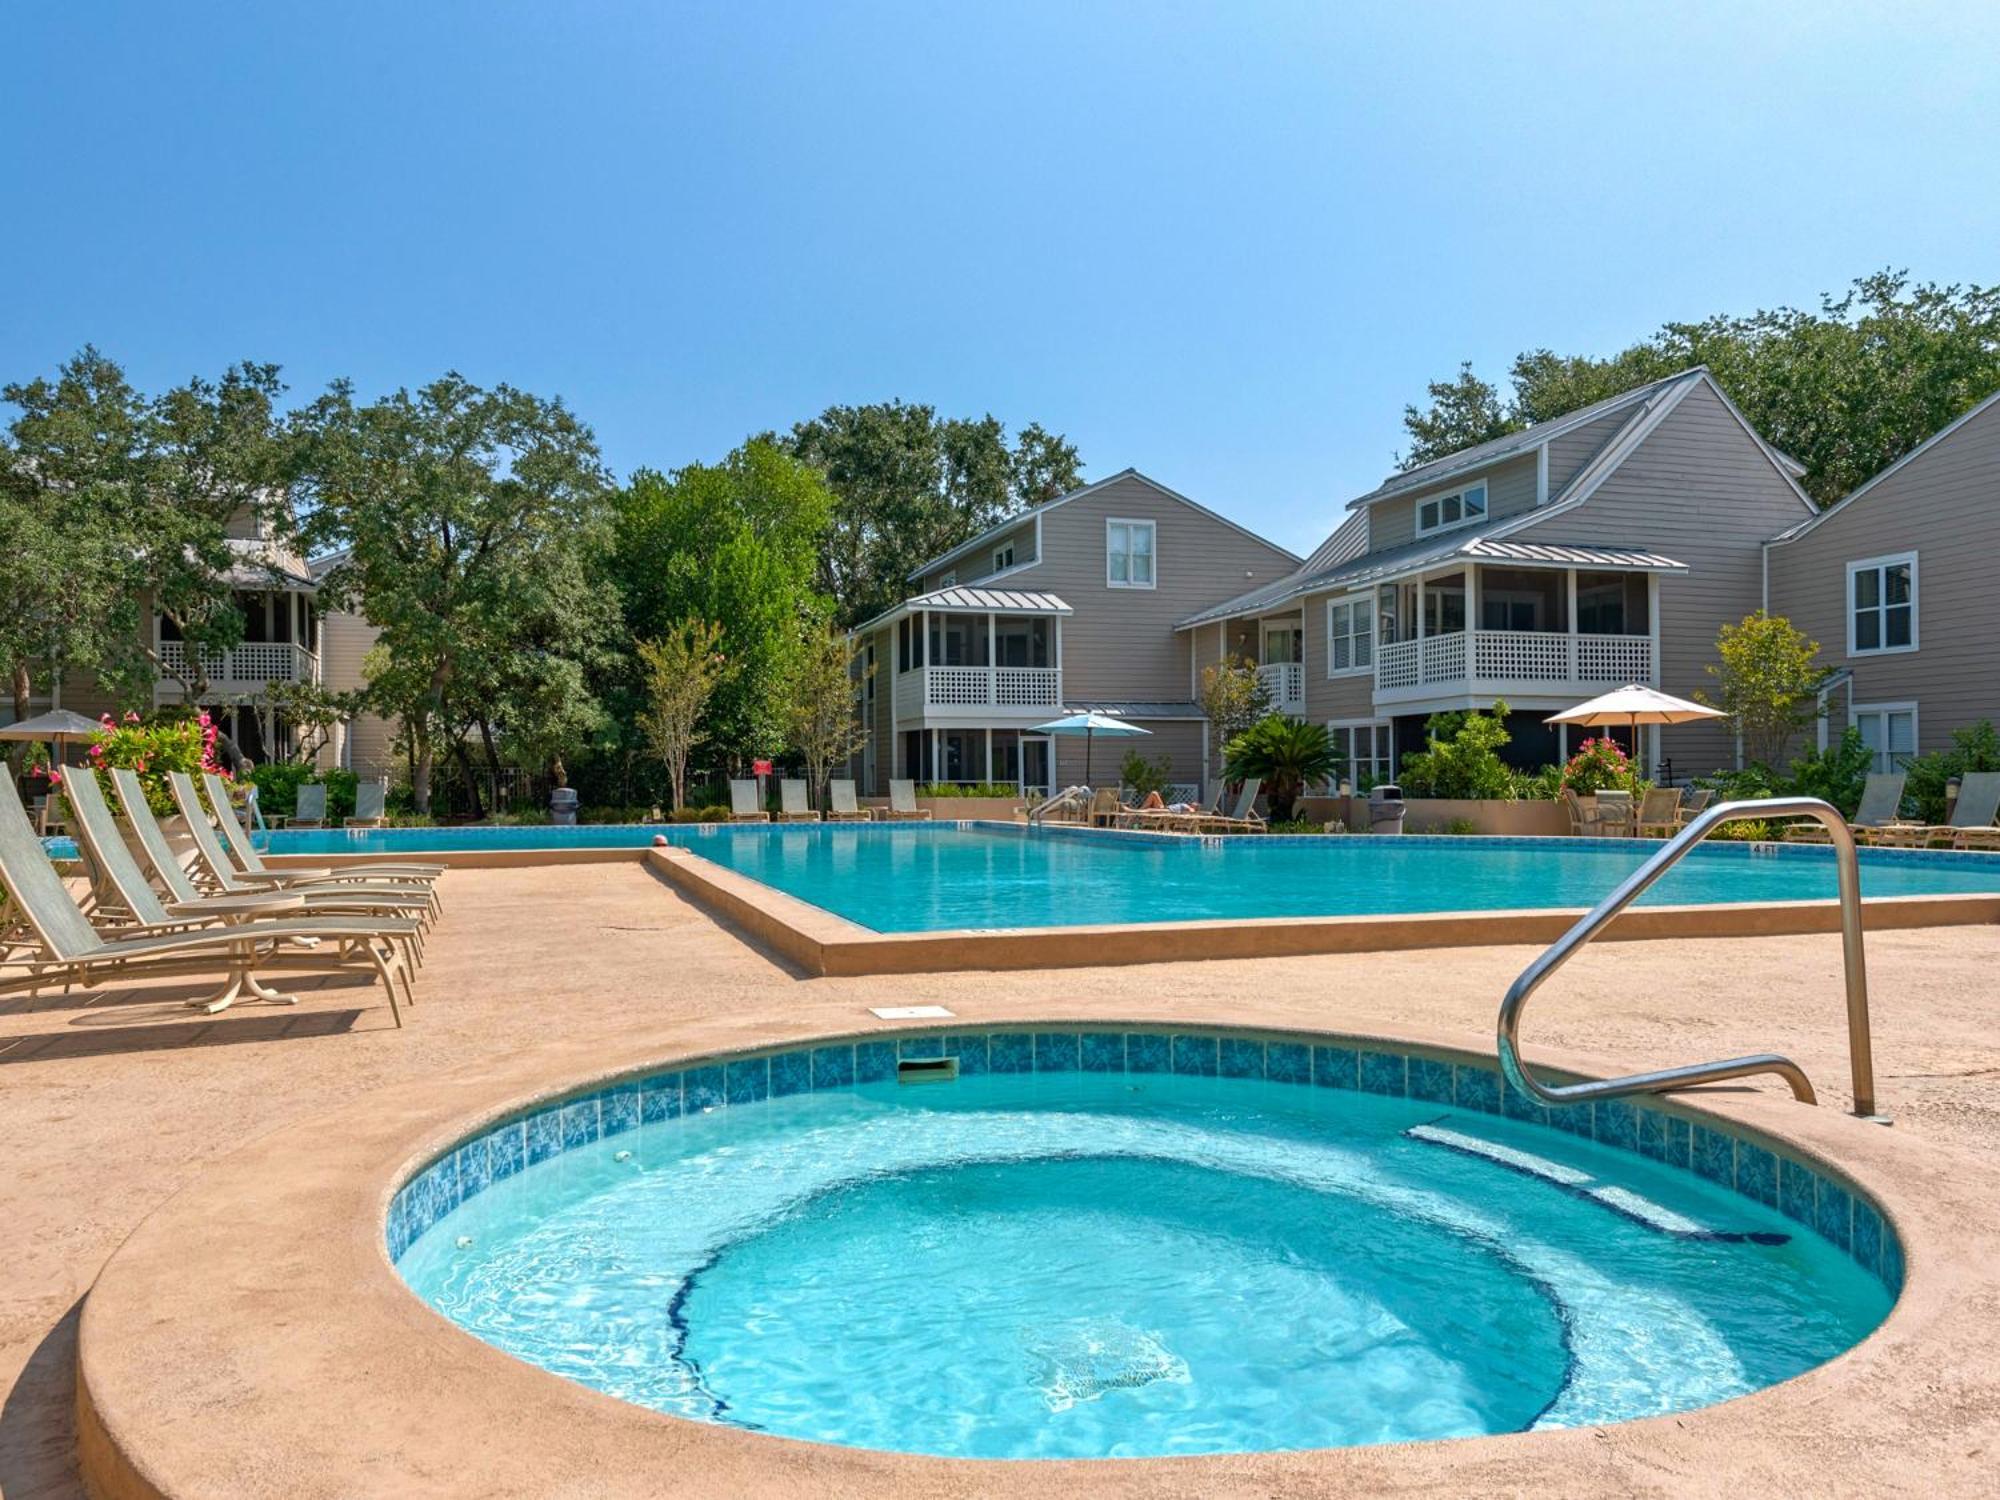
point(1629, 707)
point(57, 727)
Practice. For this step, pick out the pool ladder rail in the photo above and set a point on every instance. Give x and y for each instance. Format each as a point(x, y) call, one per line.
point(1860, 1049)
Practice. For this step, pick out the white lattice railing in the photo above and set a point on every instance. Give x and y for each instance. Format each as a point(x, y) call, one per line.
point(1521, 655)
point(1285, 681)
point(1444, 657)
point(252, 661)
point(980, 687)
point(1514, 656)
point(1614, 658)
point(1027, 687)
point(1396, 665)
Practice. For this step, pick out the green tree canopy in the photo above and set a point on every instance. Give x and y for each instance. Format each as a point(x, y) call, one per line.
point(908, 485)
point(1846, 389)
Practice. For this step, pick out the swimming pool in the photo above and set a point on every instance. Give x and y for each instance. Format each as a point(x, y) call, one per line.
point(1095, 1244)
point(930, 877)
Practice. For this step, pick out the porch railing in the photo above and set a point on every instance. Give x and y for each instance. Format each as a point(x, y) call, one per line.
point(1285, 681)
point(980, 687)
point(252, 661)
point(1514, 656)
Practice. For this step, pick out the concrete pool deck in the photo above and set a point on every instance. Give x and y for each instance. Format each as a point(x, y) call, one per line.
point(114, 1105)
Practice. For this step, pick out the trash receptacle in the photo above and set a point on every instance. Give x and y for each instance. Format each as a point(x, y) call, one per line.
point(562, 805)
point(1385, 808)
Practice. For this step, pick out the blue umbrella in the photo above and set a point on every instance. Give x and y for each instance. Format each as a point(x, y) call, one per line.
point(1090, 725)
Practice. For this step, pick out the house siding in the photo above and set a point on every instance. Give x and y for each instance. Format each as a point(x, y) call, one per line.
point(1349, 696)
point(344, 642)
point(1700, 489)
point(979, 564)
point(1510, 489)
point(1569, 452)
point(1943, 505)
point(1178, 741)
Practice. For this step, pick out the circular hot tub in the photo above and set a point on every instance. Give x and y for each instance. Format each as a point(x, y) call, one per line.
point(1074, 1243)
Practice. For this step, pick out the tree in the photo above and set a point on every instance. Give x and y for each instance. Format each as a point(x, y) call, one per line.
point(1461, 757)
point(738, 543)
point(1288, 754)
point(1767, 682)
point(1846, 389)
point(468, 517)
point(1233, 697)
point(313, 710)
point(820, 704)
point(909, 486)
point(682, 670)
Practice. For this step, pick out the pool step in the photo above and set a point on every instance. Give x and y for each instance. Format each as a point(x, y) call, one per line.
point(1631, 1205)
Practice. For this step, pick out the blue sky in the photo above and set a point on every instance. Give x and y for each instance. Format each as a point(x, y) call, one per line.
point(1224, 244)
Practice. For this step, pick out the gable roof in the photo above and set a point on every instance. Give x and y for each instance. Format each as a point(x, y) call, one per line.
point(1036, 512)
point(954, 596)
point(1972, 412)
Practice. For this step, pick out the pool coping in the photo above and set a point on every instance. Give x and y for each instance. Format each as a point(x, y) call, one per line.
point(251, 1337)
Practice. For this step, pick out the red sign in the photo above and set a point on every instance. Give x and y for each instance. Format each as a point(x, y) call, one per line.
point(760, 768)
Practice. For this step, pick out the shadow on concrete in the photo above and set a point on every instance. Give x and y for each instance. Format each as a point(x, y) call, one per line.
point(37, 1422)
point(230, 1028)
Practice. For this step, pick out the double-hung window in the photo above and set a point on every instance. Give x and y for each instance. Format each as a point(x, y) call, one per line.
point(1350, 635)
point(1128, 554)
point(1882, 604)
point(1460, 508)
point(1368, 746)
point(1889, 730)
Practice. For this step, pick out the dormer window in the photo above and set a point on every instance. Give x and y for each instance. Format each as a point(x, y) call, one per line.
point(946, 580)
point(1460, 508)
point(1003, 558)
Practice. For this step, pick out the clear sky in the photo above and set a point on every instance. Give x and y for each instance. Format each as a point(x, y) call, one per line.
point(1224, 244)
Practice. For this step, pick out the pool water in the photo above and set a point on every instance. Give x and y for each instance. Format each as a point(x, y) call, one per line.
point(945, 876)
point(1074, 1265)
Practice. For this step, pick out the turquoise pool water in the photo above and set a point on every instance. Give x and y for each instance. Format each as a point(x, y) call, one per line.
point(940, 876)
point(1067, 1264)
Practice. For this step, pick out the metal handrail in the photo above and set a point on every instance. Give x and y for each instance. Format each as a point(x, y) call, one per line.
point(1860, 1051)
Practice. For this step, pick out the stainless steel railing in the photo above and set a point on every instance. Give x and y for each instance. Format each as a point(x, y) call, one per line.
point(1859, 1048)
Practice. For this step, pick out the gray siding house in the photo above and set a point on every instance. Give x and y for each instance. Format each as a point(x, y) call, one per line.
point(1896, 584)
point(1603, 547)
point(1066, 607)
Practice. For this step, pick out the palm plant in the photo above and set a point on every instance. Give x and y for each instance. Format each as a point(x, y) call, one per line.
point(1288, 754)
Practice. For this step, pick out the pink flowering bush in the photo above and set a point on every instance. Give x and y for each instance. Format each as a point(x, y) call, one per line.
point(153, 749)
point(1599, 765)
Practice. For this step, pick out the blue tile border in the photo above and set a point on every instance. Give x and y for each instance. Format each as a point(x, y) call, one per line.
point(1800, 1190)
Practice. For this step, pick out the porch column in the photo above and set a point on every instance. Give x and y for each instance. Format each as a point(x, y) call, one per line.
point(992, 677)
point(1570, 577)
point(989, 756)
point(1422, 676)
point(1653, 626)
point(934, 754)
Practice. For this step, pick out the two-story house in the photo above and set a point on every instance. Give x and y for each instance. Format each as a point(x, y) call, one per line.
point(1062, 608)
point(1892, 582)
point(1604, 547)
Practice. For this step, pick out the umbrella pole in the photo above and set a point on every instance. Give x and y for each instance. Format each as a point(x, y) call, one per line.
point(1088, 736)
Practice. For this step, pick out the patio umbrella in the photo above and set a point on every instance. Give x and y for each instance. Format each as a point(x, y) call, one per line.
point(1631, 706)
point(58, 726)
point(1089, 725)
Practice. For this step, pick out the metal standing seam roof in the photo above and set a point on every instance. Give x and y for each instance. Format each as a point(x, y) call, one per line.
point(1589, 557)
point(955, 597)
point(1127, 708)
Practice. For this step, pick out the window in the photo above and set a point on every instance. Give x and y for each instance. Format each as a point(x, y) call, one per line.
point(1456, 509)
point(904, 635)
point(1889, 730)
point(1003, 558)
point(1368, 747)
point(1128, 554)
point(1350, 635)
point(1882, 604)
point(946, 580)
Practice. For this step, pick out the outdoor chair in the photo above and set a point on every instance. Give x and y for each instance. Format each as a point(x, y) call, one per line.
point(1878, 817)
point(1106, 810)
point(1660, 812)
point(1972, 818)
point(311, 809)
point(845, 809)
point(250, 864)
point(1615, 814)
point(68, 949)
point(1695, 803)
point(1244, 818)
point(371, 805)
point(1184, 819)
point(792, 804)
point(903, 804)
point(743, 806)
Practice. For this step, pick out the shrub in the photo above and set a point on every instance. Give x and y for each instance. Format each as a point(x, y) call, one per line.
point(1298, 825)
point(152, 749)
point(1599, 765)
point(1544, 785)
point(968, 789)
point(1462, 758)
point(710, 814)
point(1744, 784)
point(1836, 774)
point(1288, 755)
point(1145, 776)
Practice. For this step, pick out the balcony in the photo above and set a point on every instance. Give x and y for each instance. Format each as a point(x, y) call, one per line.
point(1503, 661)
point(253, 663)
point(1002, 692)
point(1285, 681)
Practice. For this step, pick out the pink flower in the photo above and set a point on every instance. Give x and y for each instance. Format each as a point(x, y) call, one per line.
point(55, 777)
point(130, 717)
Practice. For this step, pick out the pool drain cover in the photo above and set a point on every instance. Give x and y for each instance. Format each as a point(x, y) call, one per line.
point(1081, 1361)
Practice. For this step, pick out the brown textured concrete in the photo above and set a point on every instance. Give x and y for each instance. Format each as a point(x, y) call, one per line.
point(112, 1103)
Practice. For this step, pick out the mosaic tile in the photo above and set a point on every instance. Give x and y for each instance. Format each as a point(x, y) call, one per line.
point(1195, 1056)
point(1713, 1155)
point(971, 1052)
point(507, 1149)
point(702, 1088)
point(791, 1073)
point(544, 1133)
point(1679, 1133)
point(1103, 1052)
point(618, 1109)
point(1797, 1199)
point(1833, 1213)
point(579, 1124)
point(1288, 1062)
point(475, 1167)
point(1892, 1263)
point(874, 1061)
point(1056, 1051)
point(1477, 1088)
point(1384, 1073)
point(1147, 1052)
point(833, 1067)
point(1869, 1234)
point(747, 1080)
point(1011, 1052)
point(920, 1046)
point(1335, 1068)
point(1618, 1124)
point(1756, 1173)
point(1241, 1057)
point(1578, 1119)
point(1516, 1105)
point(660, 1098)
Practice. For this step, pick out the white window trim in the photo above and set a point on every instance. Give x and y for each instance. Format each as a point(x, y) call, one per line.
point(1154, 528)
point(1006, 552)
point(1366, 603)
point(1382, 731)
point(1417, 509)
point(948, 580)
point(1916, 604)
point(1856, 710)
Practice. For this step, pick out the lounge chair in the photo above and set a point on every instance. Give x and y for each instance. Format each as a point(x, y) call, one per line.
point(1695, 803)
point(1972, 818)
point(250, 864)
point(743, 806)
point(792, 804)
point(1106, 811)
point(310, 811)
point(69, 949)
point(903, 804)
point(1181, 820)
point(1878, 816)
point(1244, 818)
point(845, 809)
point(1660, 812)
point(371, 806)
